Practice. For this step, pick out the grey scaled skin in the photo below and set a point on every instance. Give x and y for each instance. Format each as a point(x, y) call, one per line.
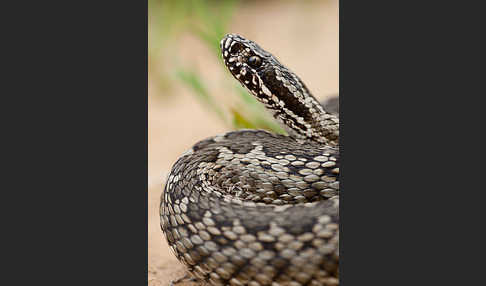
point(250, 207)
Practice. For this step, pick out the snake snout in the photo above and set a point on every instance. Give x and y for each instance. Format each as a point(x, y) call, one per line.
point(232, 45)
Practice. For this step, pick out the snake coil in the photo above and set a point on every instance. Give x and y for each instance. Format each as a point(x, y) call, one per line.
point(250, 207)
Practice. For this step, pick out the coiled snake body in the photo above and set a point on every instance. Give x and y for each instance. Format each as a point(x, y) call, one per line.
point(254, 208)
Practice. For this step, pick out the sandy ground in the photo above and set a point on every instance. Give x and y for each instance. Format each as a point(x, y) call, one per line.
point(303, 37)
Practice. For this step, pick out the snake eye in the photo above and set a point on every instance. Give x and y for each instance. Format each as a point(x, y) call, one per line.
point(254, 61)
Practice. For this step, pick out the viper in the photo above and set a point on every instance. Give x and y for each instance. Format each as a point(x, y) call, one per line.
point(250, 207)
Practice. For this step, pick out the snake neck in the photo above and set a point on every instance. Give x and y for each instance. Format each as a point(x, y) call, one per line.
point(280, 90)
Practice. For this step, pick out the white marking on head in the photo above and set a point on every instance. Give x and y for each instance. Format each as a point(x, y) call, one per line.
point(266, 90)
point(274, 98)
point(228, 42)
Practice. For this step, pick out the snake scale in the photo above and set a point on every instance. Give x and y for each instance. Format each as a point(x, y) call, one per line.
point(250, 207)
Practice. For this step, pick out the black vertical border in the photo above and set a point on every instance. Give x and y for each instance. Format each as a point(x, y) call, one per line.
point(409, 91)
point(76, 111)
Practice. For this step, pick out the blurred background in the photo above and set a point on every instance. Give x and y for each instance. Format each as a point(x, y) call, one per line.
point(191, 96)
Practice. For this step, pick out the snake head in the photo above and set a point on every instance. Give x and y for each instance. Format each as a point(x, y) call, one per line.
point(247, 62)
point(263, 75)
point(279, 89)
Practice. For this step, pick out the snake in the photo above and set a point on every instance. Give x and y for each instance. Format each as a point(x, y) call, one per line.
point(251, 207)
